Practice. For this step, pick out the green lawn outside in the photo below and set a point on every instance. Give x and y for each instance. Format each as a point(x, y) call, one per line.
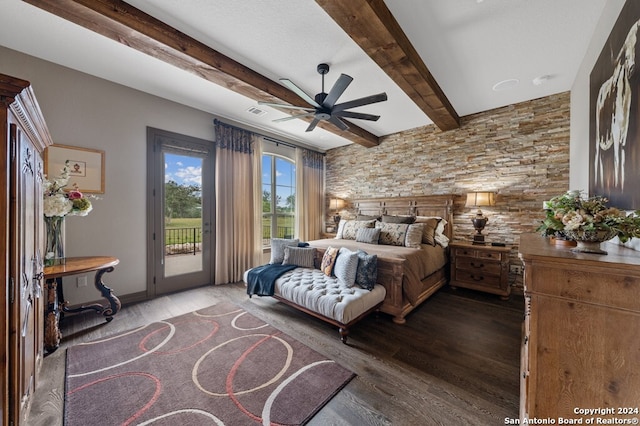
point(186, 236)
point(194, 222)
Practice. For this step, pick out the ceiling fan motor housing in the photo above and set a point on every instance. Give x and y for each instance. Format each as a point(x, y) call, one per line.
point(320, 97)
point(323, 68)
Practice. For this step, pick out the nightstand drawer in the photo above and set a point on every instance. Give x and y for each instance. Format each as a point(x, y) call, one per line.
point(480, 254)
point(479, 265)
point(477, 278)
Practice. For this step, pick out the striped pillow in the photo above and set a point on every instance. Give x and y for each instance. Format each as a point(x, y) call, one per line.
point(277, 248)
point(299, 256)
point(368, 235)
point(346, 267)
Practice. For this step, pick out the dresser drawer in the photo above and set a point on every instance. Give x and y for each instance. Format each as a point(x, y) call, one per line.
point(478, 265)
point(606, 286)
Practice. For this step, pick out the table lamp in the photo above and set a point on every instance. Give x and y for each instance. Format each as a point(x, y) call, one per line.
point(335, 204)
point(479, 199)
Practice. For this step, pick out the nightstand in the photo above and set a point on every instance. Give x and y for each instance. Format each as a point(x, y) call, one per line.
point(328, 234)
point(480, 267)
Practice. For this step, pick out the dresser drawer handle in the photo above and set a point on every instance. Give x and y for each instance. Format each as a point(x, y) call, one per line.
point(480, 278)
point(477, 266)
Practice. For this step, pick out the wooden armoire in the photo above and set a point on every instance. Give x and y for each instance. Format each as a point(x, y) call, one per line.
point(24, 138)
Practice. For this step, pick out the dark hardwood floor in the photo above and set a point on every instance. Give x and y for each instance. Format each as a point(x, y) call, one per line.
point(455, 361)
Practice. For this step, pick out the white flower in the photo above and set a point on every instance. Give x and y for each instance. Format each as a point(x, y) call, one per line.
point(572, 221)
point(58, 202)
point(57, 205)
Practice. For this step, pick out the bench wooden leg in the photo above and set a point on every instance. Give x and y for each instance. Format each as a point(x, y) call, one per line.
point(344, 332)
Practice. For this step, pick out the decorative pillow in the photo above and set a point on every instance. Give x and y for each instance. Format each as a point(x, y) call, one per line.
point(351, 227)
point(328, 260)
point(430, 225)
point(366, 217)
point(368, 235)
point(392, 234)
point(277, 248)
point(367, 273)
point(299, 256)
point(439, 237)
point(442, 240)
point(346, 267)
point(340, 228)
point(398, 219)
point(413, 238)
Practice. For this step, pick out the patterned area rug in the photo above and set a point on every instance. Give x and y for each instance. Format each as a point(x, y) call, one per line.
point(215, 366)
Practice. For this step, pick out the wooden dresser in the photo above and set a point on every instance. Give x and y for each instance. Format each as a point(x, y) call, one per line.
point(581, 340)
point(480, 267)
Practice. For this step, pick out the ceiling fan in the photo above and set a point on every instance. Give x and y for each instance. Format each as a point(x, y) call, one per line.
point(324, 104)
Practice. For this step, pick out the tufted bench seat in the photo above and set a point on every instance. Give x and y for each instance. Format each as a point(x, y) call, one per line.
point(324, 297)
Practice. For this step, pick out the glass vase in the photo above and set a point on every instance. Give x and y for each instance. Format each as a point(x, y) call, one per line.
point(54, 249)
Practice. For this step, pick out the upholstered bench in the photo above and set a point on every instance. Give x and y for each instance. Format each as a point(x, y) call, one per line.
point(325, 297)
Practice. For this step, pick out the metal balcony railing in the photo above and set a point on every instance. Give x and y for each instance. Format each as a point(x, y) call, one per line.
point(182, 240)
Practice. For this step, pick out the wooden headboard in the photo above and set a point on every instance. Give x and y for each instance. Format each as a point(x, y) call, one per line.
point(425, 205)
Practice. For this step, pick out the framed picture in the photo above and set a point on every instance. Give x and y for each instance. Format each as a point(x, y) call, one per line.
point(86, 166)
point(614, 124)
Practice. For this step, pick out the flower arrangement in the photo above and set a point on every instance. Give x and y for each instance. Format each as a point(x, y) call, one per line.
point(572, 216)
point(58, 204)
point(61, 203)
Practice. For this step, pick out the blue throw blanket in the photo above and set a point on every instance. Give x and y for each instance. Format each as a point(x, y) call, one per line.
point(261, 280)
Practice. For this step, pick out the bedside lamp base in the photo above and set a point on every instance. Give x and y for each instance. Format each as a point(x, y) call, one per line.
point(478, 239)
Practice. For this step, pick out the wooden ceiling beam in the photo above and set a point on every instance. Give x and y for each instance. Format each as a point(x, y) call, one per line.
point(372, 26)
point(132, 27)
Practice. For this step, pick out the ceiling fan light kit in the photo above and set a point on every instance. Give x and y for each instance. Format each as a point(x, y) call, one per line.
point(323, 105)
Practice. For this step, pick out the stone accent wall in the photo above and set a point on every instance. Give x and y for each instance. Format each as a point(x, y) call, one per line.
point(520, 151)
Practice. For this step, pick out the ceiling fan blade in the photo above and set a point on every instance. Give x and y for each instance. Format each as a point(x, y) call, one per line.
point(313, 124)
point(339, 123)
point(285, 106)
point(291, 117)
point(338, 89)
point(358, 115)
point(298, 91)
point(380, 97)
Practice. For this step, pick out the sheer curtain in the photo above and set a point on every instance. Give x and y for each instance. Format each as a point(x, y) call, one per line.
point(310, 194)
point(238, 202)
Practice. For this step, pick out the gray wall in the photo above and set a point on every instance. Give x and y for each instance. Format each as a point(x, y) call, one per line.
point(85, 111)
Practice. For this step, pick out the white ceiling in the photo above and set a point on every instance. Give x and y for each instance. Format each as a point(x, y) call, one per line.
point(468, 45)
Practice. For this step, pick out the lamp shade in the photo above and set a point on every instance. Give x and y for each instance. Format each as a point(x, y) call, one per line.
point(336, 203)
point(480, 199)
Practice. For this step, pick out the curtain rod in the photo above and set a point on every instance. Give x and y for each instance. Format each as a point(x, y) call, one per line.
point(267, 138)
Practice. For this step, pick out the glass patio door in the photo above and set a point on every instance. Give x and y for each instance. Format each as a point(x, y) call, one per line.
point(181, 212)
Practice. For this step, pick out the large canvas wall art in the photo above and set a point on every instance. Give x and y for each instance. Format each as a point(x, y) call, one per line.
point(614, 134)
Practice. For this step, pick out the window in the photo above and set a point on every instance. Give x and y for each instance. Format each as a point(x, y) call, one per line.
point(278, 198)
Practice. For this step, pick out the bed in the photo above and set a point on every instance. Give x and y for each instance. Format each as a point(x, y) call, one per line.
point(409, 275)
